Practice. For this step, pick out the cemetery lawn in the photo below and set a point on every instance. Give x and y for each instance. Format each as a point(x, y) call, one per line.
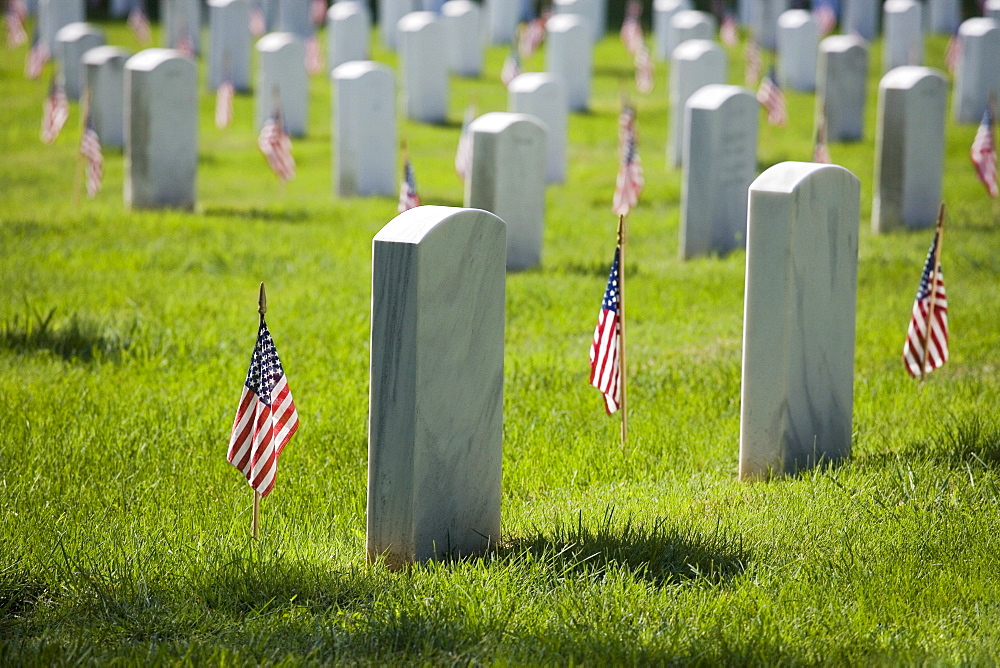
point(125, 337)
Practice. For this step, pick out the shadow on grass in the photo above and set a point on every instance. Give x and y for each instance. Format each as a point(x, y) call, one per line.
point(973, 440)
point(287, 216)
point(78, 338)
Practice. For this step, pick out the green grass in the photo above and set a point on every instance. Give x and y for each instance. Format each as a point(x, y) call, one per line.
point(124, 338)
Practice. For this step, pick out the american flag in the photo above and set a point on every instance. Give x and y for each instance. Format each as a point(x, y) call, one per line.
point(984, 154)
point(628, 184)
point(643, 70)
point(258, 24)
point(728, 31)
point(90, 149)
point(953, 52)
point(631, 30)
point(751, 53)
point(463, 155)
point(139, 23)
point(825, 18)
point(224, 104)
point(916, 333)
point(771, 98)
point(511, 67)
point(37, 57)
point(266, 417)
point(821, 152)
point(16, 34)
point(604, 349)
point(531, 36)
point(55, 111)
point(184, 44)
point(408, 197)
point(314, 56)
point(276, 146)
point(318, 12)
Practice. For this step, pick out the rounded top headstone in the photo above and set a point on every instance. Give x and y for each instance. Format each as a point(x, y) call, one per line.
point(222, 3)
point(564, 23)
point(454, 8)
point(532, 81)
point(787, 177)
point(74, 31)
point(714, 96)
point(977, 26)
point(102, 54)
point(345, 9)
point(355, 69)
point(693, 49)
point(840, 43)
point(689, 18)
point(675, 5)
point(416, 21)
point(148, 60)
point(498, 121)
point(898, 6)
point(796, 18)
point(909, 76)
point(276, 41)
point(416, 224)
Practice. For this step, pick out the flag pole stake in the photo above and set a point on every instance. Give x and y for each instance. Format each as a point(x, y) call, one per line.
point(621, 332)
point(255, 521)
point(933, 296)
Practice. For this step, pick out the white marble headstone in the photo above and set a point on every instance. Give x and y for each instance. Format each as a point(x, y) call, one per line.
point(282, 79)
point(104, 74)
point(945, 15)
point(507, 177)
point(161, 130)
point(991, 10)
point(978, 71)
point(663, 13)
point(860, 17)
point(592, 12)
point(461, 19)
point(294, 17)
point(903, 42)
point(542, 95)
point(798, 319)
point(720, 163)
point(53, 15)
point(181, 22)
point(229, 45)
point(423, 59)
point(695, 63)
point(569, 55)
point(364, 129)
point(842, 86)
point(348, 28)
point(390, 12)
point(798, 41)
point(909, 148)
point(690, 24)
point(72, 41)
point(502, 18)
point(764, 21)
point(435, 421)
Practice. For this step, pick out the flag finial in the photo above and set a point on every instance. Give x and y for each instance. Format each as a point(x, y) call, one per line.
point(262, 301)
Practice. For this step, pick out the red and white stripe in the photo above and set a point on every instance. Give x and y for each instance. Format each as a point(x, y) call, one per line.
point(314, 56)
point(773, 100)
point(139, 23)
point(984, 155)
point(16, 34)
point(90, 149)
point(257, 22)
point(318, 12)
point(260, 433)
point(224, 104)
point(631, 30)
point(644, 77)
point(937, 348)
point(276, 146)
point(55, 112)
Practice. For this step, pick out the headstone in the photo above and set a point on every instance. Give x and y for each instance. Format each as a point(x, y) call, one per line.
point(53, 15)
point(663, 13)
point(161, 130)
point(798, 40)
point(423, 58)
point(507, 177)
point(991, 10)
point(765, 22)
point(978, 71)
point(720, 163)
point(860, 17)
point(502, 18)
point(903, 42)
point(282, 79)
point(842, 86)
point(431, 6)
point(798, 318)
point(390, 12)
point(181, 24)
point(72, 41)
point(348, 27)
point(592, 12)
point(542, 95)
point(695, 63)
point(104, 76)
point(435, 422)
point(945, 15)
point(229, 45)
point(690, 24)
point(909, 148)
point(120, 8)
point(465, 48)
point(569, 56)
point(364, 129)
point(294, 17)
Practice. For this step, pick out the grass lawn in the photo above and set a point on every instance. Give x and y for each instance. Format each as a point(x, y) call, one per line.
point(125, 337)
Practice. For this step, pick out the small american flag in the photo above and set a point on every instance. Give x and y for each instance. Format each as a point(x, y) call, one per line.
point(318, 12)
point(184, 44)
point(629, 183)
point(224, 104)
point(16, 34)
point(258, 24)
point(631, 30)
point(37, 57)
point(276, 146)
point(139, 23)
point(511, 67)
point(266, 417)
point(55, 111)
point(90, 149)
point(821, 152)
point(463, 154)
point(531, 36)
point(604, 349)
point(825, 18)
point(643, 70)
point(314, 56)
point(751, 54)
point(984, 154)
point(408, 197)
point(953, 52)
point(772, 99)
point(931, 281)
point(728, 32)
